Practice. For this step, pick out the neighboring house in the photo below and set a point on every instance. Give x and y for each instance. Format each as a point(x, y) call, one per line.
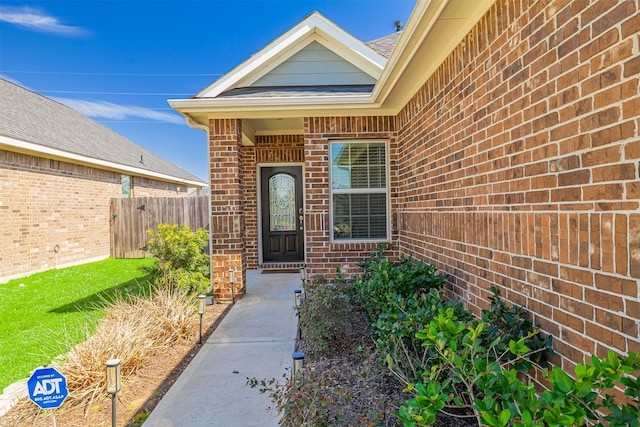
point(498, 140)
point(58, 173)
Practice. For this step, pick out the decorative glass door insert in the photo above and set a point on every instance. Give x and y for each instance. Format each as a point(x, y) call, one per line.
point(282, 197)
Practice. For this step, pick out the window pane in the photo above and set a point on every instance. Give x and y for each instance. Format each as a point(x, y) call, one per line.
point(282, 203)
point(358, 165)
point(126, 186)
point(359, 216)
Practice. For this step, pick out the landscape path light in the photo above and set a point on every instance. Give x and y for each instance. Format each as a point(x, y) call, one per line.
point(297, 297)
point(303, 275)
point(201, 304)
point(113, 385)
point(232, 281)
point(297, 362)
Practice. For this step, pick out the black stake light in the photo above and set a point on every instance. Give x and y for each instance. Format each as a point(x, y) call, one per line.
point(201, 304)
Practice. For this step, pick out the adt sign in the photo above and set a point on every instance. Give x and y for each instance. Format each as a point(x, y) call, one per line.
point(47, 388)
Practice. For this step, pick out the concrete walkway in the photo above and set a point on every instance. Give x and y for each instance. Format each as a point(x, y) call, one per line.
point(256, 338)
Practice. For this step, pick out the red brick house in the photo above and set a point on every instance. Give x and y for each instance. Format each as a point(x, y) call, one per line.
point(58, 172)
point(497, 140)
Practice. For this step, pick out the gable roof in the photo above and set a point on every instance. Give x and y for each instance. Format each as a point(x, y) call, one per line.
point(315, 28)
point(32, 123)
point(433, 30)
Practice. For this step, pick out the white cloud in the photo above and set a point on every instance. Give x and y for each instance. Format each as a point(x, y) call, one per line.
point(108, 110)
point(37, 20)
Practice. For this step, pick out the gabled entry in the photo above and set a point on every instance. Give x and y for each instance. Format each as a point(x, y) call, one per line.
point(282, 214)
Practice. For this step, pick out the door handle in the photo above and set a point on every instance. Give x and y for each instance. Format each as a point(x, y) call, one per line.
point(301, 219)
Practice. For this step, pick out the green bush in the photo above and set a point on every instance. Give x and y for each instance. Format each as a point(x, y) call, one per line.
point(395, 332)
point(512, 323)
point(181, 261)
point(478, 378)
point(384, 280)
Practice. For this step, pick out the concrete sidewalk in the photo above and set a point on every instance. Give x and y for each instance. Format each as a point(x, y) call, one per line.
point(256, 338)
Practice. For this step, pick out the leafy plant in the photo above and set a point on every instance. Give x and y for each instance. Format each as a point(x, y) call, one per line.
point(181, 261)
point(464, 369)
point(514, 323)
point(395, 332)
point(383, 280)
point(481, 379)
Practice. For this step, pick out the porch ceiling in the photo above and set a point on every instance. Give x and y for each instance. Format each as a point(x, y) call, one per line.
point(270, 126)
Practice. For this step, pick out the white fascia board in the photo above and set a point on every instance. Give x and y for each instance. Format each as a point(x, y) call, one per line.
point(255, 62)
point(37, 149)
point(415, 30)
point(352, 49)
point(261, 107)
point(292, 41)
point(434, 29)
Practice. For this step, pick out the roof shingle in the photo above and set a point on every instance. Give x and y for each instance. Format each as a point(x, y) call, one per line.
point(30, 117)
point(384, 45)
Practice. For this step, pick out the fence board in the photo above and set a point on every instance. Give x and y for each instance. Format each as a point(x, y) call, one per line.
point(131, 218)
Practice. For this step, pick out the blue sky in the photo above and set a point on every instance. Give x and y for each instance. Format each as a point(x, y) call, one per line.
point(119, 61)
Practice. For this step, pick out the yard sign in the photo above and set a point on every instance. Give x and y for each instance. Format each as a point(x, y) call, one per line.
point(47, 388)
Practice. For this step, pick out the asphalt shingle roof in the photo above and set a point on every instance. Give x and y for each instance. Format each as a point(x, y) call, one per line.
point(384, 45)
point(296, 91)
point(28, 116)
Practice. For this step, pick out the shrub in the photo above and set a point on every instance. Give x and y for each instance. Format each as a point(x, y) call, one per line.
point(512, 323)
point(325, 314)
point(480, 377)
point(181, 261)
point(384, 280)
point(132, 330)
point(395, 333)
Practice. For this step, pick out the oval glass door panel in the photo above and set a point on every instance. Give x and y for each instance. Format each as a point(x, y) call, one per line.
point(282, 203)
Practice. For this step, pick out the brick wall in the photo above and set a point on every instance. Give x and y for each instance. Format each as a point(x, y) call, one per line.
point(518, 167)
point(227, 207)
point(322, 256)
point(48, 206)
point(145, 187)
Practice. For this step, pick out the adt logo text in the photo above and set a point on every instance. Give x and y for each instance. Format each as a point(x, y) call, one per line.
point(47, 388)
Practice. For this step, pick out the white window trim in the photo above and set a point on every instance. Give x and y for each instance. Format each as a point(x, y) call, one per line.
point(385, 191)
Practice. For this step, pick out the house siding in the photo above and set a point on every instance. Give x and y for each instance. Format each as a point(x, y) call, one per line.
point(49, 204)
point(518, 167)
point(314, 65)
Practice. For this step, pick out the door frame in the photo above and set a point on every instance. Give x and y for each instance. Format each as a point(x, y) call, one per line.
point(259, 205)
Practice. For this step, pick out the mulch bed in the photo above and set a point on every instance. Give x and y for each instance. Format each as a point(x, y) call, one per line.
point(139, 394)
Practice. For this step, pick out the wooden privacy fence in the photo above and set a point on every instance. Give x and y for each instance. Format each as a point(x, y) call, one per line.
point(131, 218)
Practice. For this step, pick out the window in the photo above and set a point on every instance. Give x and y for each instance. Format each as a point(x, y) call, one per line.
point(359, 191)
point(126, 186)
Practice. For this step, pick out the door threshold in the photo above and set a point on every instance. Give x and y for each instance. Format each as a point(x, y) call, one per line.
point(281, 267)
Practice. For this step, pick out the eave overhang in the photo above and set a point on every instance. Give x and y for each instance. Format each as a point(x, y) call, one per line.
point(30, 148)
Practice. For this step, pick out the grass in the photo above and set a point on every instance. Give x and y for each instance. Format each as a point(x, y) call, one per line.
point(44, 315)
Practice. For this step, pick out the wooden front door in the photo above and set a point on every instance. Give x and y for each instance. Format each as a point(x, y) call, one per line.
point(282, 214)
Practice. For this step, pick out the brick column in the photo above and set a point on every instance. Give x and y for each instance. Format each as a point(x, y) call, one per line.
point(227, 208)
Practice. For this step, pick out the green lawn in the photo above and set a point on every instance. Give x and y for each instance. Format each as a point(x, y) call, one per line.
point(44, 315)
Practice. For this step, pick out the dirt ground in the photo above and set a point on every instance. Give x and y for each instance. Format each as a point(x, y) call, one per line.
point(139, 394)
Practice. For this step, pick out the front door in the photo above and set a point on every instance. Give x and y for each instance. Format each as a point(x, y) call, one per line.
point(282, 214)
